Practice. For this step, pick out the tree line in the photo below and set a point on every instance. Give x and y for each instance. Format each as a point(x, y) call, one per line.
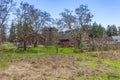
point(29, 21)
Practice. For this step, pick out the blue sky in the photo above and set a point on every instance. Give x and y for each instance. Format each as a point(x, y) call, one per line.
point(105, 11)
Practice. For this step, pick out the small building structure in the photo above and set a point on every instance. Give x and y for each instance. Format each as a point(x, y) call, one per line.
point(65, 39)
point(116, 39)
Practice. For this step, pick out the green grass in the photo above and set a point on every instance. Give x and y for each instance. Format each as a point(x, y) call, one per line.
point(3, 65)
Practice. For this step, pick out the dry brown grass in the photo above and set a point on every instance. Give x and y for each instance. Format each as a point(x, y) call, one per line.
point(51, 67)
point(47, 68)
point(113, 55)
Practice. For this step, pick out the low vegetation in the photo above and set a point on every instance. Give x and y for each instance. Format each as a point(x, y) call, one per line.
point(42, 63)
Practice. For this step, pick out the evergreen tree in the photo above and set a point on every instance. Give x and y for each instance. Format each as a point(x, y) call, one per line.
point(12, 35)
point(111, 30)
point(96, 30)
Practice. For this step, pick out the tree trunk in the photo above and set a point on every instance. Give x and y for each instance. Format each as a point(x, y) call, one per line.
point(78, 44)
point(35, 44)
point(56, 48)
point(81, 46)
point(24, 45)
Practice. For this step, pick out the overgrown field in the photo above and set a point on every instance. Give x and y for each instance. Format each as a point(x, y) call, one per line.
point(42, 63)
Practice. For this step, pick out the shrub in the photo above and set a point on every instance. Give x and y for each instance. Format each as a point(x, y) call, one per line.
point(7, 46)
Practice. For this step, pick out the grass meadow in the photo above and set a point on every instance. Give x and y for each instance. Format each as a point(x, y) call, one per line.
point(43, 63)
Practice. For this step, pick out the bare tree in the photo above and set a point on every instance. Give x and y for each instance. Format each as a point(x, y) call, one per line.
point(24, 29)
point(68, 20)
point(83, 19)
point(5, 8)
point(39, 19)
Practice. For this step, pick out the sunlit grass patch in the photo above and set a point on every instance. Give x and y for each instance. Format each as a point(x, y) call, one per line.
point(4, 65)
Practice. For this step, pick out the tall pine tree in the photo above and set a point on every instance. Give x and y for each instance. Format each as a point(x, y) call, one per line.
point(12, 35)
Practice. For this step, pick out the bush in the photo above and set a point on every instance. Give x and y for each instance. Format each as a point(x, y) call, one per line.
point(6, 46)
